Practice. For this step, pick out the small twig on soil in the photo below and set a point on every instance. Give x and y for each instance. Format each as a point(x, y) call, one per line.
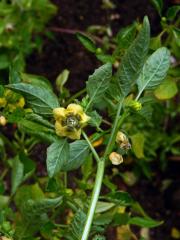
point(74, 31)
point(174, 158)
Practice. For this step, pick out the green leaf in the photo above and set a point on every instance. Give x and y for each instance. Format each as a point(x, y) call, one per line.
point(167, 90)
point(36, 80)
point(154, 70)
point(34, 208)
point(144, 222)
point(155, 42)
point(103, 206)
point(4, 200)
point(172, 12)
point(138, 144)
point(98, 83)
point(17, 174)
point(62, 79)
point(105, 58)
point(99, 237)
point(79, 150)
point(57, 156)
point(45, 133)
point(95, 120)
point(121, 198)
point(125, 36)
point(4, 61)
point(76, 227)
point(14, 75)
point(40, 99)
point(39, 119)
point(133, 60)
point(26, 192)
point(34, 216)
point(87, 42)
point(22, 169)
point(158, 4)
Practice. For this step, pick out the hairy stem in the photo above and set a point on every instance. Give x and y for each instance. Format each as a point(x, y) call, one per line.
point(94, 199)
point(91, 147)
point(99, 174)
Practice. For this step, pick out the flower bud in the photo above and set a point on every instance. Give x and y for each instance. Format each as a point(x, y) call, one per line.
point(135, 105)
point(122, 141)
point(129, 178)
point(116, 158)
point(3, 121)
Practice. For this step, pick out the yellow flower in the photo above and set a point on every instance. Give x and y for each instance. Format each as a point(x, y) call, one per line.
point(20, 103)
point(3, 102)
point(70, 121)
point(115, 158)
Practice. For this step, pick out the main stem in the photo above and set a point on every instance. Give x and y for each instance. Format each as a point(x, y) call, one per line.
point(94, 199)
point(99, 176)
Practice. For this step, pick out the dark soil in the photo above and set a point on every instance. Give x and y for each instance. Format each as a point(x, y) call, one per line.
point(66, 52)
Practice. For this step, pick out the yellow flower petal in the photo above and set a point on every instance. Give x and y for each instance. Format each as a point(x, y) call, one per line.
point(59, 113)
point(84, 119)
point(74, 135)
point(75, 109)
point(60, 130)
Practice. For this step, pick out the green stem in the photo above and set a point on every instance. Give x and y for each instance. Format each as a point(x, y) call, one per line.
point(76, 95)
point(94, 199)
point(91, 146)
point(99, 174)
point(65, 179)
point(114, 130)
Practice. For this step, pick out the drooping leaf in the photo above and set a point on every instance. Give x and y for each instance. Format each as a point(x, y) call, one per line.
point(57, 156)
point(167, 90)
point(98, 82)
point(79, 150)
point(62, 79)
point(87, 42)
point(41, 100)
point(144, 222)
point(133, 60)
point(158, 4)
point(138, 144)
point(154, 70)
